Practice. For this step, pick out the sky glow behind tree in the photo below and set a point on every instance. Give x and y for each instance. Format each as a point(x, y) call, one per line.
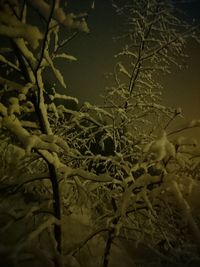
point(95, 52)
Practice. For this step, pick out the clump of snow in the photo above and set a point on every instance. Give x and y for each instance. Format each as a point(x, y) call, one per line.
point(28, 107)
point(14, 107)
point(178, 111)
point(3, 110)
point(28, 141)
point(22, 97)
point(161, 148)
point(27, 53)
point(194, 123)
point(13, 28)
point(70, 20)
point(24, 90)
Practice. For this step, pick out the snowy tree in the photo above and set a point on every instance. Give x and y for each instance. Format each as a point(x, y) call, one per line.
point(110, 162)
point(28, 52)
point(128, 137)
point(154, 39)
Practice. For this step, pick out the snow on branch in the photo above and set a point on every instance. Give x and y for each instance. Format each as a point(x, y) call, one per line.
point(69, 20)
point(11, 27)
point(65, 97)
point(9, 63)
point(28, 141)
point(161, 148)
point(28, 55)
point(10, 84)
point(56, 71)
point(90, 176)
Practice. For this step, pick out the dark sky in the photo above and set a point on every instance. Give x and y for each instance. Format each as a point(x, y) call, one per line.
point(95, 53)
point(182, 88)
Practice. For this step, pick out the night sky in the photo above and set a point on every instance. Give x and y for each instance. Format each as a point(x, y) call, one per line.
point(95, 53)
